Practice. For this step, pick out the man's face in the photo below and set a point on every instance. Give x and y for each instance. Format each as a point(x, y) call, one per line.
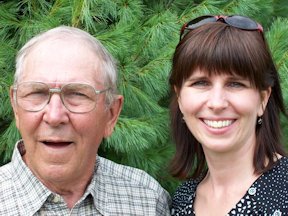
point(61, 145)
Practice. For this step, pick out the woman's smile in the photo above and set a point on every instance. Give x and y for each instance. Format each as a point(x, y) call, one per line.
point(218, 123)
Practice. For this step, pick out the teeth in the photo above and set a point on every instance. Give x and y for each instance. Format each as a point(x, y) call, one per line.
point(218, 124)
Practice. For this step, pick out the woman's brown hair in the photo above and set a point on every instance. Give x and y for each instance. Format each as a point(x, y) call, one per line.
point(218, 48)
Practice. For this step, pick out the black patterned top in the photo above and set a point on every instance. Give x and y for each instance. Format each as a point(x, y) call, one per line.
point(268, 195)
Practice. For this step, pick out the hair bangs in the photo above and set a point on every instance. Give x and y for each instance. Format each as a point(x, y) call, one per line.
point(221, 51)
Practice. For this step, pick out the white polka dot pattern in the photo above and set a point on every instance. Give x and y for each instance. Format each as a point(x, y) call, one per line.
point(268, 195)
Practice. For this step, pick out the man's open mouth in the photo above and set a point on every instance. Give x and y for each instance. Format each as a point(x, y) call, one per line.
point(56, 143)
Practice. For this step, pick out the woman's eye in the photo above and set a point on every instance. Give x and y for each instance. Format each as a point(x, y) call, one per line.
point(236, 84)
point(200, 83)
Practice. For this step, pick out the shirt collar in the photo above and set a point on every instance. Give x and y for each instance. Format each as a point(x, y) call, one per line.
point(31, 193)
point(98, 190)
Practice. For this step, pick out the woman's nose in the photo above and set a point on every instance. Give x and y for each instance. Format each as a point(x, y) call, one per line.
point(217, 99)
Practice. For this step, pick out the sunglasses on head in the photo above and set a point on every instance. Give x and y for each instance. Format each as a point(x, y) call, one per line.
point(240, 22)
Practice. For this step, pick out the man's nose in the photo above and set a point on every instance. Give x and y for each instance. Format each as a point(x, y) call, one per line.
point(217, 98)
point(55, 111)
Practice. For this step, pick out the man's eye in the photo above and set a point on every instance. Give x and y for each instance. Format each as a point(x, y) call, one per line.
point(35, 94)
point(76, 94)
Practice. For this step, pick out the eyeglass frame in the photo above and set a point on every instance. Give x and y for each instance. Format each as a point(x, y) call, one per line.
point(57, 90)
point(218, 18)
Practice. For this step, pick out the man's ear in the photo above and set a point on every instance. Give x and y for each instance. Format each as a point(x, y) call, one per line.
point(14, 106)
point(265, 95)
point(113, 111)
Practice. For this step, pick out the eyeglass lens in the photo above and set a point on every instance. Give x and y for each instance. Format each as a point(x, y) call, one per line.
point(78, 98)
point(200, 21)
point(240, 22)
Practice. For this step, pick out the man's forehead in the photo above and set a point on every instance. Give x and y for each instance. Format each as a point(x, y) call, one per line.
point(61, 62)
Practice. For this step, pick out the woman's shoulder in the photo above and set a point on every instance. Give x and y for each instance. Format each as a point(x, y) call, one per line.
point(186, 189)
point(277, 176)
point(279, 171)
point(184, 196)
point(271, 189)
point(283, 162)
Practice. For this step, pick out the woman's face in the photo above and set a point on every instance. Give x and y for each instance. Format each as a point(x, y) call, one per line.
point(221, 110)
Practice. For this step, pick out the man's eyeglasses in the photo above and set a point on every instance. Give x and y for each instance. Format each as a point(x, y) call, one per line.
point(76, 97)
point(236, 21)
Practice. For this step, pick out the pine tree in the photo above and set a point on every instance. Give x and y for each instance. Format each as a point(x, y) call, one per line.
point(141, 35)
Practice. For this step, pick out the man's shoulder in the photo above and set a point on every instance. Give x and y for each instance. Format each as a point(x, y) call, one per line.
point(131, 190)
point(125, 175)
point(7, 192)
point(5, 174)
point(6, 181)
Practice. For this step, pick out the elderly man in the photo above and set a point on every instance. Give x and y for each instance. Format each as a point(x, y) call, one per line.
point(65, 102)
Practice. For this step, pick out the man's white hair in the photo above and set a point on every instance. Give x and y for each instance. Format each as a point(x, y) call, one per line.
point(107, 65)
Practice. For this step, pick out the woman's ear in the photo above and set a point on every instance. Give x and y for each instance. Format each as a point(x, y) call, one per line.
point(265, 95)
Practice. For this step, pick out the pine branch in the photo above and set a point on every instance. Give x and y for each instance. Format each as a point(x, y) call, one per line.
point(280, 8)
point(29, 8)
point(277, 40)
point(258, 10)
point(115, 39)
point(206, 7)
point(129, 11)
point(135, 135)
point(7, 142)
point(152, 78)
point(158, 31)
point(139, 102)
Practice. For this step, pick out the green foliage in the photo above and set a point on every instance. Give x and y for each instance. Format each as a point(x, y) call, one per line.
point(280, 8)
point(141, 35)
point(277, 38)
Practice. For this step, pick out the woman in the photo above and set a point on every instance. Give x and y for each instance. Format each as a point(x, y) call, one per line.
point(225, 115)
